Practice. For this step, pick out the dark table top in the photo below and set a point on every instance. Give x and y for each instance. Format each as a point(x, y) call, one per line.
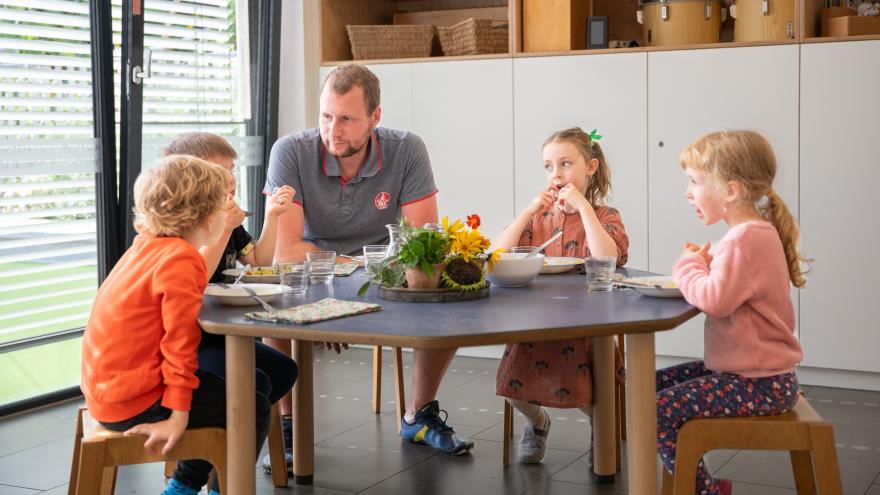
point(552, 307)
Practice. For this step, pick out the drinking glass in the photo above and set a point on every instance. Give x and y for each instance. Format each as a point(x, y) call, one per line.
point(600, 272)
point(395, 239)
point(373, 256)
point(294, 274)
point(321, 266)
point(522, 250)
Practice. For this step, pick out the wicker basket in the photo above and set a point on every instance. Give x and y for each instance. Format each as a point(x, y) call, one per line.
point(474, 37)
point(388, 41)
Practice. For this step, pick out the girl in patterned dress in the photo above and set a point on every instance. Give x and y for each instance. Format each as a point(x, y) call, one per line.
point(559, 374)
point(743, 287)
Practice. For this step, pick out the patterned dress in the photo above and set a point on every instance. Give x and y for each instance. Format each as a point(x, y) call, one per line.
point(559, 373)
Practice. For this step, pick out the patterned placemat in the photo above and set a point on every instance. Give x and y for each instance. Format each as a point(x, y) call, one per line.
point(325, 309)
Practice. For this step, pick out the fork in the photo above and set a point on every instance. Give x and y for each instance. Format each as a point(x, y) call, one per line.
point(242, 274)
point(255, 297)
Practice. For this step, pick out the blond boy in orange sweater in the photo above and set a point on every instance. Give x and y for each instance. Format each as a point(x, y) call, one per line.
point(139, 365)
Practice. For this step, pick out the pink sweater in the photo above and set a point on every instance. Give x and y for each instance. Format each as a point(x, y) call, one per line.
point(746, 295)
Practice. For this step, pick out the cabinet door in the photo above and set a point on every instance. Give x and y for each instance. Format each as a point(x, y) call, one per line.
point(839, 177)
point(603, 92)
point(396, 99)
point(694, 92)
point(463, 111)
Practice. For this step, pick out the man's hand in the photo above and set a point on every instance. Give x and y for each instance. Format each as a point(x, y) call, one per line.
point(336, 346)
point(162, 436)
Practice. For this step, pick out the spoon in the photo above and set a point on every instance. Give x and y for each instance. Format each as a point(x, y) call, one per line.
point(545, 244)
point(241, 275)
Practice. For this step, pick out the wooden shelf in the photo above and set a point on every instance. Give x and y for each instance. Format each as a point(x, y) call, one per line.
point(622, 26)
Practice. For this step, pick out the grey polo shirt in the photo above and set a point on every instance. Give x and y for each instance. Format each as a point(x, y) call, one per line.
point(343, 216)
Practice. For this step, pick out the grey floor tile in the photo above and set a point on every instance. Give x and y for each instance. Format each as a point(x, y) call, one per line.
point(30, 430)
point(569, 430)
point(551, 487)
point(873, 490)
point(14, 490)
point(753, 489)
point(479, 473)
point(848, 407)
point(40, 468)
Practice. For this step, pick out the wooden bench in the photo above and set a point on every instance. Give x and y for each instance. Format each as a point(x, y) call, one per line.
point(804, 433)
point(97, 453)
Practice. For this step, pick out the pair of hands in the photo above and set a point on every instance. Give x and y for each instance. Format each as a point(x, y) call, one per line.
point(280, 202)
point(703, 251)
point(550, 195)
point(161, 436)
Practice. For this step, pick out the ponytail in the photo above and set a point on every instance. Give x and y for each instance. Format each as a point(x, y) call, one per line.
point(776, 212)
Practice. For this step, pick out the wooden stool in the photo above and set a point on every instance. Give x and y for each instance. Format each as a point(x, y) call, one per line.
point(276, 451)
point(98, 451)
point(398, 382)
point(801, 431)
point(619, 413)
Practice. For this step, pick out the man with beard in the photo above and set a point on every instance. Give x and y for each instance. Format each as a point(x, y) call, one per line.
point(351, 179)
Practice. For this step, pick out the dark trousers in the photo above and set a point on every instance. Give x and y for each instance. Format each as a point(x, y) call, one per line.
point(276, 372)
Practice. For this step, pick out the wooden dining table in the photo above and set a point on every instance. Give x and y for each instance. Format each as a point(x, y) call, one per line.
point(552, 307)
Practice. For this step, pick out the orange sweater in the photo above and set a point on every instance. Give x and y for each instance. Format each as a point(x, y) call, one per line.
point(141, 340)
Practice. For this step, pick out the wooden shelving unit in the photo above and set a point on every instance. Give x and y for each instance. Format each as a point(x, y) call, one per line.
point(335, 15)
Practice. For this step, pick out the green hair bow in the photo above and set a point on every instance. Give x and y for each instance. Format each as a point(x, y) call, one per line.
point(594, 136)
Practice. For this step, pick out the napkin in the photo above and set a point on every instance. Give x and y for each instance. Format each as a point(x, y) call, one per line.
point(325, 309)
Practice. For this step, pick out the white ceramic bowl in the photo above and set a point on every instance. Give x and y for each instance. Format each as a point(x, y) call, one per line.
point(515, 270)
point(234, 295)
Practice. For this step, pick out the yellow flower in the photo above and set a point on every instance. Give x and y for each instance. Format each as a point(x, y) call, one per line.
point(493, 257)
point(454, 228)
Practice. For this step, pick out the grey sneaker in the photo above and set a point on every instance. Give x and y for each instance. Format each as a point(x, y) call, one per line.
point(534, 443)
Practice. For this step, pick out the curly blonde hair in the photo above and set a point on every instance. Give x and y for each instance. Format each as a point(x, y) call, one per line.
point(177, 195)
point(599, 187)
point(747, 157)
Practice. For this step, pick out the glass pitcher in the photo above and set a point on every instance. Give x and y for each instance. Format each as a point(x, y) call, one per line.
point(395, 239)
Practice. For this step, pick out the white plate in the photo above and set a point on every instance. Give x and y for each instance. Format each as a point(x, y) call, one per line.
point(560, 264)
point(260, 279)
point(649, 286)
point(235, 295)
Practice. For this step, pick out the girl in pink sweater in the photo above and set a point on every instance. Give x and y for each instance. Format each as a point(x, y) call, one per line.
point(744, 288)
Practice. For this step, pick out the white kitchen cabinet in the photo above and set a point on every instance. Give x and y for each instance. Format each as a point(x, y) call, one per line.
point(603, 92)
point(840, 171)
point(694, 92)
point(463, 110)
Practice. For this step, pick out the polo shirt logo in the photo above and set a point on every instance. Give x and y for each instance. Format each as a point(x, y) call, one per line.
point(382, 200)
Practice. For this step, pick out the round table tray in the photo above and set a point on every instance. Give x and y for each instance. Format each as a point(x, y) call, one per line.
point(431, 295)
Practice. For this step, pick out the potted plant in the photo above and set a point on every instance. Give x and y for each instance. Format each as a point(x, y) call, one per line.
point(423, 253)
point(468, 253)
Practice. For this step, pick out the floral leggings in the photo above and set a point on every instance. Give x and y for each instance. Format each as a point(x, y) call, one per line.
point(690, 390)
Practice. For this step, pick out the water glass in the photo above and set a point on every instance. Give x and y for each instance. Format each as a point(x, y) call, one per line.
point(294, 274)
point(600, 272)
point(522, 250)
point(374, 254)
point(321, 266)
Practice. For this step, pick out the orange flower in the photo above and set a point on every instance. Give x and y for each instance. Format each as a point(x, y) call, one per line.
point(473, 221)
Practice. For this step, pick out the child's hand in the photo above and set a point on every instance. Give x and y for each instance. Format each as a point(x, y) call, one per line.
point(234, 214)
point(703, 251)
point(545, 198)
point(570, 196)
point(162, 436)
point(281, 200)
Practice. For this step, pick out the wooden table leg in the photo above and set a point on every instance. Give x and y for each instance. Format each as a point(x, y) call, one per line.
point(377, 379)
point(241, 436)
point(641, 414)
point(303, 414)
point(604, 429)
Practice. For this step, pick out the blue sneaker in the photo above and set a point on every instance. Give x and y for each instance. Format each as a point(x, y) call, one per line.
point(175, 487)
point(428, 428)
